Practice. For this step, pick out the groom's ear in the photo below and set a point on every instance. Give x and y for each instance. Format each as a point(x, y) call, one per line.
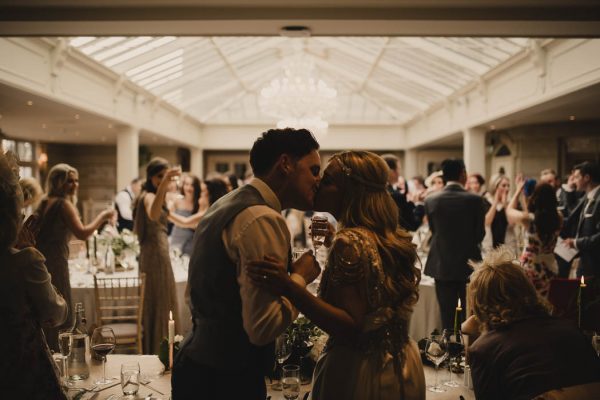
point(285, 163)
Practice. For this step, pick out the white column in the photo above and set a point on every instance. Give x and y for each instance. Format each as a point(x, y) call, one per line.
point(411, 167)
point(197, 162)
point(474, 150)
point(127, 156)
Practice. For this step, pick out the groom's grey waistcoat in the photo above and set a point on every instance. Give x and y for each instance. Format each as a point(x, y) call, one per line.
point(219, 340)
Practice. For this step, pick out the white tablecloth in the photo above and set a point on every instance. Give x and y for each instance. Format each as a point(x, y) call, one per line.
point(82, 289)
point(426, 315)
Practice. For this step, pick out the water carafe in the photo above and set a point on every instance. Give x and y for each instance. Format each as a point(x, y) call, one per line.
point(78, 366)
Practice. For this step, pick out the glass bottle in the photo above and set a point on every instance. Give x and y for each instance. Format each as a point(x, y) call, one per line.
point(109, 259)
point(78, 366)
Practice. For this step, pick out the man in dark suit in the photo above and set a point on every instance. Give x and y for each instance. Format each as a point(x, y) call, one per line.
point(410, 214)
point(456, 220)
point(583, 224)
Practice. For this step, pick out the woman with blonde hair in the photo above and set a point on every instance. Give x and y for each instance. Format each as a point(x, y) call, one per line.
point(523, 351)
point(367, 291)
point(499, 230)
point(57, 219)
point(27, 301)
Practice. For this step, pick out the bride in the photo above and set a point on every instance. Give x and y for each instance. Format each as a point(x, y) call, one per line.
point(367, 290)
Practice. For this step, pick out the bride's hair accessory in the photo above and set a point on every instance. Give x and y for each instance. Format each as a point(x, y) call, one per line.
point(347, 171)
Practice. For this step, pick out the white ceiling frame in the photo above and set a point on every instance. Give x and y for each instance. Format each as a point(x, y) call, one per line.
point(187, 103)
point(451, 56)
point(469, 52)
point(414, 77)
point(155, 53)
point(190, 77)
point(229, 66)
point(99, 45)
point(121, 48)
point(490, 49)
point(440, 68)
point(271, 42)
point(374, 64)
point(419, 105)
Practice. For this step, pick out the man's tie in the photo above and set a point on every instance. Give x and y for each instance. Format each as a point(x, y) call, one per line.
point(586, 204)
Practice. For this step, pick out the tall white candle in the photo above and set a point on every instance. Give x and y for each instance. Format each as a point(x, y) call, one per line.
point(171, 327)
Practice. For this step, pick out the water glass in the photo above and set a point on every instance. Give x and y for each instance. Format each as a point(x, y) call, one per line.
point(291, 381)
point(130, 379)
point(318, 230)
point(297, 252)
point(65, 341)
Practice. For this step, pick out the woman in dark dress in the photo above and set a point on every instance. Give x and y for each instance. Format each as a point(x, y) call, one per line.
point(58, 220)
point(150, 217)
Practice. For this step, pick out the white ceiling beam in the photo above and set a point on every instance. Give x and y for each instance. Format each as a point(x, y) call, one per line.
point(442, 52)
point(374, 64)
point(416, 78)
point(419, 105)
point(229, 66)
point(215, 110)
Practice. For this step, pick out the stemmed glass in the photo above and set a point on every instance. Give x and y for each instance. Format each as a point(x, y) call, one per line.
point(65, 341)
point(103, 342)
point(318, 230)
point(291, 382)
point(455, 349)
point(283, 350)
point(436, 351)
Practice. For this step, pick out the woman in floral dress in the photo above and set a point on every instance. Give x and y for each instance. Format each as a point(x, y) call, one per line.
point(542, 222)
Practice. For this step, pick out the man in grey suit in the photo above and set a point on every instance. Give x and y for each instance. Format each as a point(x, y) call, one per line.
point(456, 220)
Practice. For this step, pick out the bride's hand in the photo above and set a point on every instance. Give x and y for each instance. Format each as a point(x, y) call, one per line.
point(269, 274)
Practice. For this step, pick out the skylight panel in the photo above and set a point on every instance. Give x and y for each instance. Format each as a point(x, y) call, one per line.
point(140, 50)
point(103, 55)
point(81, 40)
point(101, 44)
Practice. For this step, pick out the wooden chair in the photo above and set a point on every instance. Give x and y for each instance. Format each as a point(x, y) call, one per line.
point(119, 305)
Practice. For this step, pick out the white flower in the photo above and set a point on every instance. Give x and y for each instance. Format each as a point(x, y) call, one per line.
point(178, 338)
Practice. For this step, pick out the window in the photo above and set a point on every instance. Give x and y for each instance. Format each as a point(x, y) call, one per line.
point(25, 152)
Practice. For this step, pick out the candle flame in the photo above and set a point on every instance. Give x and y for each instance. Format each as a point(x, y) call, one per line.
point(171, 315)
point(582, 281)
point(459, 305)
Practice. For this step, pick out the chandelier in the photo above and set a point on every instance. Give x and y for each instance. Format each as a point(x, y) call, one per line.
point(298, 99)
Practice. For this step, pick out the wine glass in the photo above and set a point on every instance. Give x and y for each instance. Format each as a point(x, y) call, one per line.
point(318, 231)
point(103, 342)
point(130, 379)
point(65, 341)
point(283, 350)
point(455, 349)
point(291, 381)
point(436, 351)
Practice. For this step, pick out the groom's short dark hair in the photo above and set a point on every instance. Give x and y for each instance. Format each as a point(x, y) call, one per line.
point(273, 143)
point(452, 169)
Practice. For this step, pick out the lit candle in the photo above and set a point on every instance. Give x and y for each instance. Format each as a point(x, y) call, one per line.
point(581, 286)
point(458, 309)
point(171, 338)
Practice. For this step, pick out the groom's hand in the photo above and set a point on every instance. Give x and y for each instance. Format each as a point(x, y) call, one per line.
point(307, 267)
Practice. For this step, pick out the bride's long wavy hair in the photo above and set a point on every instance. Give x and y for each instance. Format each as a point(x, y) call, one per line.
point(367, 203)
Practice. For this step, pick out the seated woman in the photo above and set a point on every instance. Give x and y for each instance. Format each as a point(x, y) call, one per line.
point(523, 351)
point(367, 290)
point(27, 301)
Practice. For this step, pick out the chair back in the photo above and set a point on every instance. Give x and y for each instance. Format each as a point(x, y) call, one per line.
point(119, 305)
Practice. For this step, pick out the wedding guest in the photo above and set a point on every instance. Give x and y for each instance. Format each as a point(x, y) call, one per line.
point(57, 221)
point(523, 352)
point(186, 222)
point(434, 183)
point(475, 184)
point(150, 225)
point(367, 292)
point(235, 322)
point(27, 301)
point(542, 222)
point(123, 204)
point(32, 194)
point(410, 214)
point(187, 205)
point(499, 230)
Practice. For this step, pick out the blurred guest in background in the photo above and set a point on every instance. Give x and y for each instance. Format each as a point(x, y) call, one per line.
point(186, 205)
point(27, 301)
point(475, 184)
point(410, 214)
point(124, 203)
point(523, 352)
point(32, 194)
point(498, 229)
point(150, 224)
point(434, 182)
point(57, 220)
point(543, 222)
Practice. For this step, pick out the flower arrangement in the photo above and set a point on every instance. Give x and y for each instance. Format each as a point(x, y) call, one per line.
point(163, 353)
point(120, 242)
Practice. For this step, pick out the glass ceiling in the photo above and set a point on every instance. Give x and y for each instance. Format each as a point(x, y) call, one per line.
point(379, 80)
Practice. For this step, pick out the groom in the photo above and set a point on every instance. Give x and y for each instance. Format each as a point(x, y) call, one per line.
point(235, 323)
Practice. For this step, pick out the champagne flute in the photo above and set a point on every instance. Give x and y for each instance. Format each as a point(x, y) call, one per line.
point(291, 381)
point(283, 350)
point(436, 351)
point(455, 349)
point(103, 342)
point(318, 231)
point(65, 341)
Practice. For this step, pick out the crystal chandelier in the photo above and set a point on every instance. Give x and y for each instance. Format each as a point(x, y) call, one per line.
point(298, 99)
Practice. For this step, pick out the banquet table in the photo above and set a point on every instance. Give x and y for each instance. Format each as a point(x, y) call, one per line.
point(151, 367)
point(82, 289)
point(426, 313)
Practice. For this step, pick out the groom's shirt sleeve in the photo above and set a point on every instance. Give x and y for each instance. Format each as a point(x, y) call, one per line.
point(256, 232)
